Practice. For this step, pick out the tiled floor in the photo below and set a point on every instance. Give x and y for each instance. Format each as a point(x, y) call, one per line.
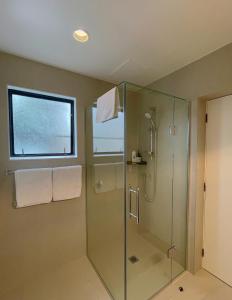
point(202, 286)
point(78, 281)
point(74, 281)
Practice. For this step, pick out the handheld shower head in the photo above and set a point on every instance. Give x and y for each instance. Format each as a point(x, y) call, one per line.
point(149, 117)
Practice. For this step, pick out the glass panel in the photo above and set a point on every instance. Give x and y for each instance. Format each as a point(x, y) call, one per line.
point(41, 126)
point(108, 137)
point(180, 185)
point(156, 128)
point(149, 120)
point(105, 207)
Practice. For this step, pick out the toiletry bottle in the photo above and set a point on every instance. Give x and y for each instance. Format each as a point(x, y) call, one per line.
point(139, 158)
point(133, 156)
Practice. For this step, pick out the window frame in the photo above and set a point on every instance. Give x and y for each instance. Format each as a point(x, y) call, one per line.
point(46, 97)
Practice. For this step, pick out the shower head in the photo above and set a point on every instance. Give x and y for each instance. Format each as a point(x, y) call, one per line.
point(149, 117)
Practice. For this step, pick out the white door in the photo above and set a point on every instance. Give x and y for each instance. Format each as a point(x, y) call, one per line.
point(218, 197)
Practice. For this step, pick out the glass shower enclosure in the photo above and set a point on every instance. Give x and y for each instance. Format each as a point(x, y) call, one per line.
point(137, 186)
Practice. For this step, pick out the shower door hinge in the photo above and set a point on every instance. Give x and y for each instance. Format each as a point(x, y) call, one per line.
point(202, 252)
point(206, 118)
point(204, 187)
point(172, 130)
point(171, 252)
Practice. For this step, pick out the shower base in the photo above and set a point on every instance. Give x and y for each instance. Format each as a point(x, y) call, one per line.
point(150, 262)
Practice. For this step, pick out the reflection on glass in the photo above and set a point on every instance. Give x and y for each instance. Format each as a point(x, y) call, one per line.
point(105, 200)
point(108, 137)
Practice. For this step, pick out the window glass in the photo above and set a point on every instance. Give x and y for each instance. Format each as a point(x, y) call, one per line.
point(40, 125)
point(108, 137)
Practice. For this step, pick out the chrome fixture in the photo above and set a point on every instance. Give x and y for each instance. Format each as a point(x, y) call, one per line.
point(149, 117)
point(153, 130)
point(137, 214)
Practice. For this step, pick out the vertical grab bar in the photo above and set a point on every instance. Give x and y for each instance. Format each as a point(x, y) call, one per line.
point(138, 206)
point(131, 214)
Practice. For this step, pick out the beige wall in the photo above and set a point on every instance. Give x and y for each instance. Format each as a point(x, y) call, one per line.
point(206, 78)
point(37, 239)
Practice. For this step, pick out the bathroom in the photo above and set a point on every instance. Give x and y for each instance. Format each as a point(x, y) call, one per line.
point(100, 207)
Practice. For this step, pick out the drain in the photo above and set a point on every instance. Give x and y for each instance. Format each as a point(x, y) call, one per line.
point(181, 289)
point(133, 259)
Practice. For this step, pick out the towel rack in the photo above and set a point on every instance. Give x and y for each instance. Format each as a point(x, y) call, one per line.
point(9, 172)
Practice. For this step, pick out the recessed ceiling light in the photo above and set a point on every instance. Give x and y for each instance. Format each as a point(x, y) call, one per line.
point(81, 36)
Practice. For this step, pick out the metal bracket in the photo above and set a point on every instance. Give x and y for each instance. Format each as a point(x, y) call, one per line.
point(171, 252)
point(172, 130)
point(202, 252)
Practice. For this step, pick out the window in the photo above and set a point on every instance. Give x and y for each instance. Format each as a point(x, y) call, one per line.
point(40, 124)
point(108, 137)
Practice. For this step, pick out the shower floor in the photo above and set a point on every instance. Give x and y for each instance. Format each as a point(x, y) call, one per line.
point(149, 269)
point(153, 270)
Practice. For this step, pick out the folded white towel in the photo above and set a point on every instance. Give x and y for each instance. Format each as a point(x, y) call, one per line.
point(108, 106)
point(67, 182)
point(33, 186)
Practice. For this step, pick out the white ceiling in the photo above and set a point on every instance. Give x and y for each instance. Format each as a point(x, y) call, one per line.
point(133, 40)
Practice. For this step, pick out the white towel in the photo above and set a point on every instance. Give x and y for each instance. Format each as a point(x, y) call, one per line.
point(33, 186)
point(108, 106)
point(67, 182)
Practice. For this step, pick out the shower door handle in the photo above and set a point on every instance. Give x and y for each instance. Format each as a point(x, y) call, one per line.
point(131, 214)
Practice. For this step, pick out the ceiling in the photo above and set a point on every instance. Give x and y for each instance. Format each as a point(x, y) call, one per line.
point(132, 40)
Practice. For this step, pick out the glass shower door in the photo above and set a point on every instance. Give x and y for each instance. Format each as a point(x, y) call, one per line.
point(105, 200)
point(149, 131)
point(180, 184)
